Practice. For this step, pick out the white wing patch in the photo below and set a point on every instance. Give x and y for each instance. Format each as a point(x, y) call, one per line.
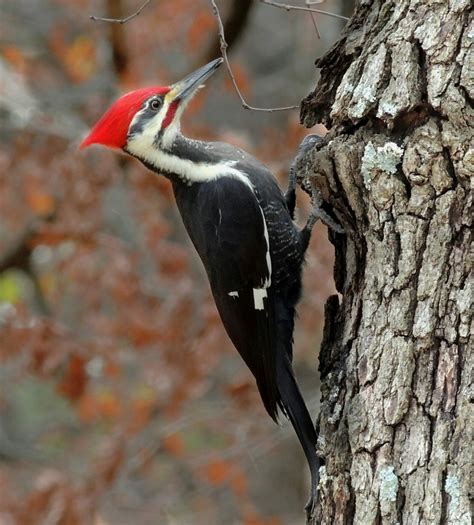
point(233, 294)
point(259, 294)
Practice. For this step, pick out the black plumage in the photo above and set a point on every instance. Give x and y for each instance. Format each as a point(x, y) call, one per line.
point(242, 227)
point(224, 220)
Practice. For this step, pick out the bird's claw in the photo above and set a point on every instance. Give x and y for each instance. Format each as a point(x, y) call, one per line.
point(318, 213)
point(307, 143)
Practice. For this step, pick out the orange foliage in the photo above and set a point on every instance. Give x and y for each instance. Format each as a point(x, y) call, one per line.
point(253, 519)
point(99, 406)
point(218, 472)
point(40, 201)
point(174, 444)
point(141, 412)
point(243, 392)
point(238, 482)
point(74, 381)
point(112, 369)
point(203, 23)
point(78, 56)
point(242, 79)
point(16, 58)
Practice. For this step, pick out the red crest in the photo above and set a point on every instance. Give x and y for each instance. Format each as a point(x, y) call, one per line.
point(111, 129)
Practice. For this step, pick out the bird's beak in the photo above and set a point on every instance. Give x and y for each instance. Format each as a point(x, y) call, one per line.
point(188, 86)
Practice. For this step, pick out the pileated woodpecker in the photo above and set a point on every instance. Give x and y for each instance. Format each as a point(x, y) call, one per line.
point(241, 226)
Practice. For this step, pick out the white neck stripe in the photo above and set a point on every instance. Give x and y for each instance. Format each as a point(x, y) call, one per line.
point(143, 147)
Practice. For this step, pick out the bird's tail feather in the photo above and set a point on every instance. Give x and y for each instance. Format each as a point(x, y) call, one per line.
point(293, 406)
point(292, 403)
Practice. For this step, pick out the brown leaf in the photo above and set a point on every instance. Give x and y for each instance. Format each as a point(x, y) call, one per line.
point(174, 444)
point(75, 379)
point(218, 472)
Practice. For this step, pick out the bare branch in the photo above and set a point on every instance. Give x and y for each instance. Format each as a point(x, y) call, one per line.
point(223, 46)
point(316, 28)
point(121, 20)
point(298, 8)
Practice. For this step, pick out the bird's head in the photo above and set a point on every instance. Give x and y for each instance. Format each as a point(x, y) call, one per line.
point(148, 117)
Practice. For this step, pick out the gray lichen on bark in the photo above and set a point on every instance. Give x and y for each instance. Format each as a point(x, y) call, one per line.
point(396, 422)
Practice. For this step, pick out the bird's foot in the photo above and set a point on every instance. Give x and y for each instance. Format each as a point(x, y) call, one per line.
point(307, 143)
point(318, 213)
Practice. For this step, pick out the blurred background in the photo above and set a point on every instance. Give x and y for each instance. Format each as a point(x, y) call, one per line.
point(121, 399)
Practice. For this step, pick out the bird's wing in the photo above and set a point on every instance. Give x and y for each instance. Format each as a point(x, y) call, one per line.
point(238, 263)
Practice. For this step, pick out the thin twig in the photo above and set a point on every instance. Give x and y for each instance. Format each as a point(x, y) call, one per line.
point(313, 16)
point(298, 8)
point(224, 45)
point(120, 20)
point(316, 28)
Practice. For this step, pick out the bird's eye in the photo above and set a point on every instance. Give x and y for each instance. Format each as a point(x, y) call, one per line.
point(155, 104)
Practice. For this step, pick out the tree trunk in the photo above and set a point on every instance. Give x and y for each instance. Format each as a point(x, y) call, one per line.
point(395, 429)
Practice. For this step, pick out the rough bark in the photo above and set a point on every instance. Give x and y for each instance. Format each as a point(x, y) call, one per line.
point(397, 356)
